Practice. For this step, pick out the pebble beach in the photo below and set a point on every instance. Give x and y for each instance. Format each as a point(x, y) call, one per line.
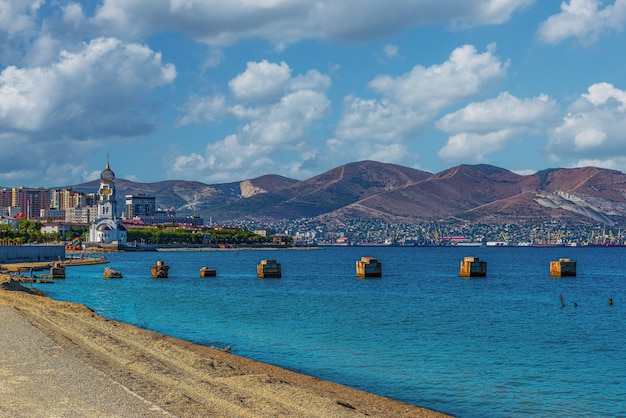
point(63, 359)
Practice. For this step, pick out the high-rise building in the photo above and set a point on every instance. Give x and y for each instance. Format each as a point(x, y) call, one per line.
point(32, 201)
point(140, 206)
point(5, 198)
point(66, 198)
point(83, 215)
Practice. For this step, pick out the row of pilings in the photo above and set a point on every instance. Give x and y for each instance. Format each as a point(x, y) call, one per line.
point(368, 267)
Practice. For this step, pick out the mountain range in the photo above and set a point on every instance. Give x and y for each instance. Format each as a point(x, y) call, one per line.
point(396, 194)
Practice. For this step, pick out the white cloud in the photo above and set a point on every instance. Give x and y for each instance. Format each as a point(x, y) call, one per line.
point(589, 138)
point(603, 93)
point(499, 11)
point(390, 51)
point(594, 126)
point(312, 80)
point(584, 20)
point(18, 26)
point(203, 109)
point(214, 58)
point(378, 121)
point(473, 147)
point(286, 121)
point(486, 127)
point(616, 163)
point(221, 23)
point(505, 111)
point(261, 82)
point(390, 153)
point(433, 88)
point(18, 15)
point(278, 112)
point(222, 160)
point(411, 100)
point(94, 92)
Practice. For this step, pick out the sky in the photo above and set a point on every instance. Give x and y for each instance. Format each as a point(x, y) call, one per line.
point(221, 91)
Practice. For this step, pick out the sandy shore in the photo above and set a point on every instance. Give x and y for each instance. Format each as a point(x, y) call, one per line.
point(78, 363)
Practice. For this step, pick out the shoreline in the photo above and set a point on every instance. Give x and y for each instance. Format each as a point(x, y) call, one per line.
point(187, 379)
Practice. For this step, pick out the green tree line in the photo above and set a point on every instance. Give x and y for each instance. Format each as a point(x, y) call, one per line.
point(28, 231)
point(187, 236)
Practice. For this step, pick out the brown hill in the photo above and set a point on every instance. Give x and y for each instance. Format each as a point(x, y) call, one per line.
point(368, 189)
point(324, 193)
point(442, 195)
point(192, 197)
point(488, 194)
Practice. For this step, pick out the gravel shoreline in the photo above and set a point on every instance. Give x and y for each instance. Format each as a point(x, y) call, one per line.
point(89, 366)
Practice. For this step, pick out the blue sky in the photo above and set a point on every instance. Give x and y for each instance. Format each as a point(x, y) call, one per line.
point(219, 91)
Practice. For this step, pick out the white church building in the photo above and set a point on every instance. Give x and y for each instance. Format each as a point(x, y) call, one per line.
point(107, 228)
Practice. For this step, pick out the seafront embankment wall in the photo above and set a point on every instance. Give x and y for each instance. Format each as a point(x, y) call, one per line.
point(26, 253)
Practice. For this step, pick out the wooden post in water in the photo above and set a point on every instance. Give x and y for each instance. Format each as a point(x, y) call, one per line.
point(473, 267)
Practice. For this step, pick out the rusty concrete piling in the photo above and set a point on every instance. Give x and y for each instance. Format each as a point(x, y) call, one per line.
point(473, 267)
point(207, 272)
point(57, 271)
point(563, 268)
point(160, 270)
point(268, 269)
point(369, 267)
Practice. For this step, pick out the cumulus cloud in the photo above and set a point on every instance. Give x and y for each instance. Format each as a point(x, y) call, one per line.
point(410, 101)
point(482, 128)
point(615, 163)
point(18, 15)
point(339, 152)
point(94, 91)
point(91, 93)
point(222, 23)
point(593, 128)
point(200, 109)
point(222, 159)
point(584, 20)
point(261, 82)
point(276, 110)
point(18, 24)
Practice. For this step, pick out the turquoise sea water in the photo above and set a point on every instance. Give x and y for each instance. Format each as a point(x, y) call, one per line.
point(502, 346)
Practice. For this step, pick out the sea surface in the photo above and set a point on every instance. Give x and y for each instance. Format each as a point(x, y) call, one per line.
point(500, 346)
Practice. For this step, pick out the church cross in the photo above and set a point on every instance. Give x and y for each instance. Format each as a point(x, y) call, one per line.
point(106, 192)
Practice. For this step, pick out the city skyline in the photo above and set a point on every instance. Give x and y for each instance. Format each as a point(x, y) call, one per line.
point(213, 92)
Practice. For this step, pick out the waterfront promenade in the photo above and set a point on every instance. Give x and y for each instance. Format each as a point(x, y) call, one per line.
point(63, 359)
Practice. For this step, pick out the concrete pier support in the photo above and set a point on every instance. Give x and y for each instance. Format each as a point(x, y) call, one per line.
point(160, 270)
point(207, 272)
point(563, 268)
point(473, 267)
point(57, 271)
point(369, 267)
point(268, 269)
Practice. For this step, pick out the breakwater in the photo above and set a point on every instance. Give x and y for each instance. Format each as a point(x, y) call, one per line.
point(24, 253)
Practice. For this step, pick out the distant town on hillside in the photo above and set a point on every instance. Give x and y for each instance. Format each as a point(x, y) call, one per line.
point(366, 203)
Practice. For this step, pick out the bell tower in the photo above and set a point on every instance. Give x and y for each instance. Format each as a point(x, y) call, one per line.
point(107, 205)
point(108, 228)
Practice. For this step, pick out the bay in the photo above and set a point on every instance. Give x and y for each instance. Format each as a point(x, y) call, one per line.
point(498, 346)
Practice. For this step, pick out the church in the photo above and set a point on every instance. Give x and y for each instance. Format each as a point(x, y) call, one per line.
point(107, 228)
